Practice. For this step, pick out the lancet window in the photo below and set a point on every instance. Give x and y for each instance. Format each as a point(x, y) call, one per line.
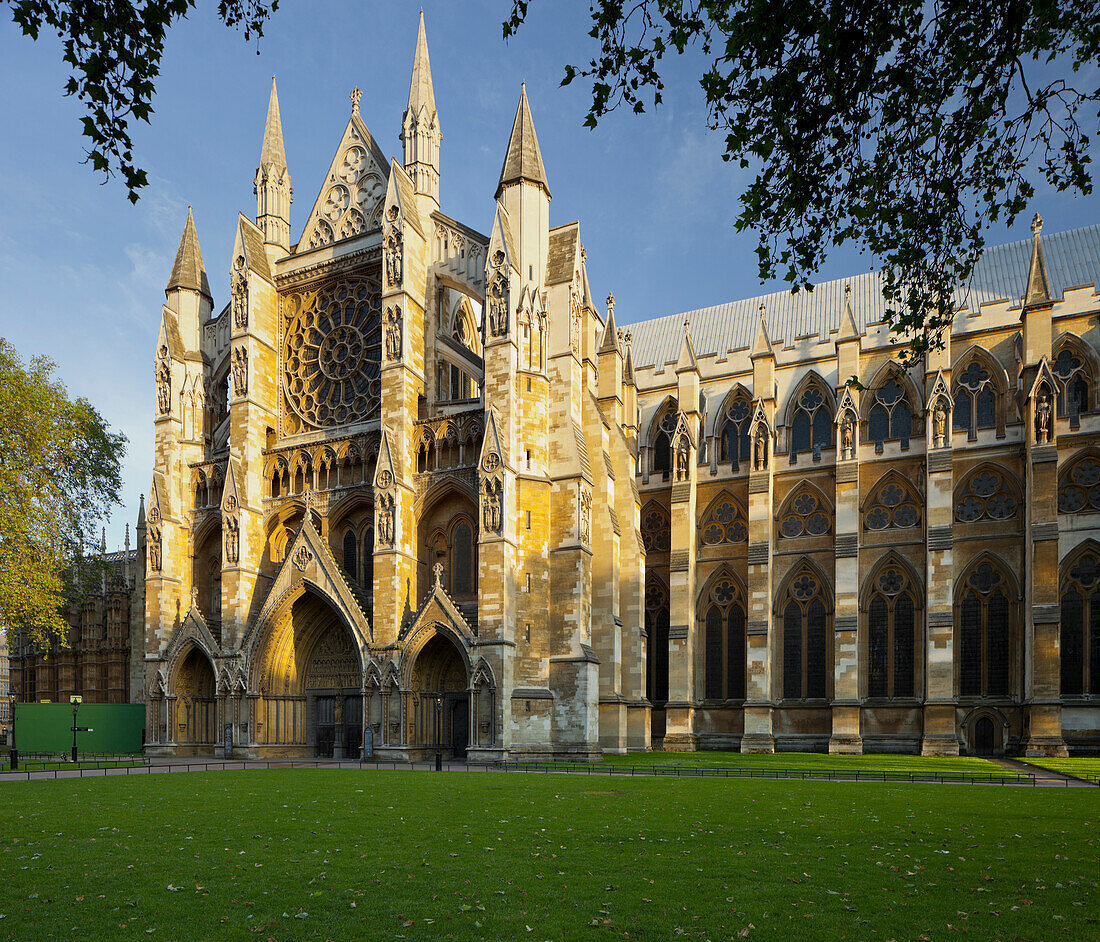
point(805, 637)
point(662, 442)
point(975, 400)
point(804, 514)
point(1080, 626)
point(811, 421)
point(984, 626)
point(656, 629)
point(893, 505)
point(891, 634)
point(725, 522)
point(1074, 383)
point(986, 495)
point(453, 546)
point(734, 445)
point(891, 416)
point(656, 529)
point(1079, 487)
point(725, 641)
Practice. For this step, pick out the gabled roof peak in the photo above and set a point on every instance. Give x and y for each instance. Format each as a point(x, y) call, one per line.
point(188, 270)
point(421, 93)
point(523, 159)
point(272, 152)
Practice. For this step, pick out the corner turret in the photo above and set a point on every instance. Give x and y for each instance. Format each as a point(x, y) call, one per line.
point(272, 184)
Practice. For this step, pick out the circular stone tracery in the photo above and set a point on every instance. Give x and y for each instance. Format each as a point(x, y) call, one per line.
point(332, 351)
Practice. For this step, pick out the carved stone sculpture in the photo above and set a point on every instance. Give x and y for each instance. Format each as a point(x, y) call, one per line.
point(164, 381)
point(393, 333)
point(761, 457)
point(847, 435)
point(939, 424)
point(240, 371)
point(1042, 419)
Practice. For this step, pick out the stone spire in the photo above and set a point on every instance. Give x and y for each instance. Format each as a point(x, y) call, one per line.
point(188, 271)
point(523, 159)
point(1038, 282)
point(272, 184)
point(762, 342)
point(610, 342)
point(420, 131)
point(687, 359)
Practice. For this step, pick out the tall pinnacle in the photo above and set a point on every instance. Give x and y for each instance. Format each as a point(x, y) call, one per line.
point(188, 270)
point(272, 151)
point(1037, 293)
point(421, 93)
point(523, 160)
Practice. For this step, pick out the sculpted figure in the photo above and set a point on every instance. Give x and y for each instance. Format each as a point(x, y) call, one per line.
point(1042, 419)
point(761, 448)
point(846, 436)
point(164, 386)
point(939, 423)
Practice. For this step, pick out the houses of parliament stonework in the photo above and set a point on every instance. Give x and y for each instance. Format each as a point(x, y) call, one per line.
point(412, 484)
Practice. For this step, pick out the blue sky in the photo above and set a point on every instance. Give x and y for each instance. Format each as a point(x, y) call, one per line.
point(83, 271)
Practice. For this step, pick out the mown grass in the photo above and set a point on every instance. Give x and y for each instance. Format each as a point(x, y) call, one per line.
point(339, 854)
point(814, 761)
point(1085, 767)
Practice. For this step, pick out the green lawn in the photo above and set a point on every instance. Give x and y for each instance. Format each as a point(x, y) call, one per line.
point(818, 761)
point(1083, 767)
point(341, 854)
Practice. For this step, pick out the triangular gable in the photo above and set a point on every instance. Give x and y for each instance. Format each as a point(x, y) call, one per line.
point(438, 608)
point(1042, 375)
point(193, 628)
point(500, 240)
point(308, 559)
point(683, 430)
point(160, 498)
point(383, 469)
point(760, 415)
point(939, 389)
point(401, 202)
point(492, 455)
point(350, 201)
point(249, 245)
point(169, 334)
point(847, 404)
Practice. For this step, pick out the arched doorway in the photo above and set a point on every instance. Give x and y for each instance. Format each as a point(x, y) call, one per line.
point(309, 676)
point(985, 737)
point(195, 703)
point(441, 705)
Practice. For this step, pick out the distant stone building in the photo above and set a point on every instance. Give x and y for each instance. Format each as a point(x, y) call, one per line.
point(101, 659)
point(411, 486)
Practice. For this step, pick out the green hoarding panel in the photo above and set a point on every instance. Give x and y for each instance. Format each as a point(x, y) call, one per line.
point(47, 727)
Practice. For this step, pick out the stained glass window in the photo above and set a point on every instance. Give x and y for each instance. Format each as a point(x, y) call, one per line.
point(804, 515)
point(985, 622)
point(734, 445)
point(805, 639)
point(891, 635)
point(725, 642)
point(1080, 627)
point(986, 496)
point(1079, 487)
point(812, 423)
point(725, 523)
point(894, 504)
point(975, 399)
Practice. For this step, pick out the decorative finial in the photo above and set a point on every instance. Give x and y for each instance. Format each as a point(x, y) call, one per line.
point(687, 323)
point(438, 570)
point(762, 308)
point(847, 290)
point(356, 94)
point(584, 254)
point(1036, 225)
point(628, 338)
point(194, 596)
point(610, 303)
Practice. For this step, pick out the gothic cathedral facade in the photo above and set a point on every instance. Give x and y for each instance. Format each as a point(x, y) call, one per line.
point(413, 488)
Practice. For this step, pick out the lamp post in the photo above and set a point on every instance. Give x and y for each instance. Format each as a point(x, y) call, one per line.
point(75, 701)
point(439, 732)
point(13, 752)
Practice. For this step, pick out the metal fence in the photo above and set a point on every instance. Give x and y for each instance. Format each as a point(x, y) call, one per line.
point(142, 766)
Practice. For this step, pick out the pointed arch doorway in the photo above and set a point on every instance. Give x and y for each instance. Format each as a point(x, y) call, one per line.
point(440, 696)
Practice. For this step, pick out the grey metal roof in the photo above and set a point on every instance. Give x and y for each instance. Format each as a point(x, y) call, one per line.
point(1072, 257)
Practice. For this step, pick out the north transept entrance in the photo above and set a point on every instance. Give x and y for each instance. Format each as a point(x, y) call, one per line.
point(440, 712)
point(194, 704)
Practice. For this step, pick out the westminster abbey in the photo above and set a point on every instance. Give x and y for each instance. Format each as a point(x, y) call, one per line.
point(413, 486)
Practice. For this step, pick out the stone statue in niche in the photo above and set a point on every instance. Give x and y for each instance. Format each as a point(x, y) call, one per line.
point(232, 539)
point(498, 306)
point(393, 333)
point(586, 516)
point(239, 301)
point(240, 371)
point(164, 381)
point(761, 445)
point(492, 507)
point(1042, 419)
point(682, 459)
point(847, 436)
point(939, 424)
point(385, 520)
point(393, 256)
point(152, 540)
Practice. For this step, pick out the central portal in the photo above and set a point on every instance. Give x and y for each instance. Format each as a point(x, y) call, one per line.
point(440, 675)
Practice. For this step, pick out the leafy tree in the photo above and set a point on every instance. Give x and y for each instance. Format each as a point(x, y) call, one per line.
point(907, 127)
point(60, 471)
point(114, 48)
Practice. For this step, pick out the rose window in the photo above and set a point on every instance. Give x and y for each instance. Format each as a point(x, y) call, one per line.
point(331, 355)
point(986, 496)
point(1079, 490)
point(806, 517)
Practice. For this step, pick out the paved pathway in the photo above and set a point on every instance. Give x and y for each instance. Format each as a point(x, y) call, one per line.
point(1047, 777)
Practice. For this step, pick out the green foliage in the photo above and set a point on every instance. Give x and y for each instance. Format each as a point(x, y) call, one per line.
point(60, 471)
point(327, 854)
point(114, 48)
point(906, 127)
